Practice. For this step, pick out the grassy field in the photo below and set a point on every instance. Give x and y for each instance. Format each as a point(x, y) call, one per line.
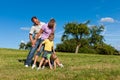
point(76, 67)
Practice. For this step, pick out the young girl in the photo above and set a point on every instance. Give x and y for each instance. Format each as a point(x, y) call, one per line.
point(49, 44)
point(56, 61)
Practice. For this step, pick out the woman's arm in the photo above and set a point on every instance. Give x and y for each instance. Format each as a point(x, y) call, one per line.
point(38, 34)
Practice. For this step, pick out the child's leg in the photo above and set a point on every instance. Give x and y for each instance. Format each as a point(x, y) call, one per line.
point(35, 60)
point(54, 65)
point(50, 64)
point(46, 61)
point(58, 63)
point(48, 57)
point(41, 62)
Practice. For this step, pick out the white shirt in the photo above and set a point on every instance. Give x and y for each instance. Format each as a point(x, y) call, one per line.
point(35, 29)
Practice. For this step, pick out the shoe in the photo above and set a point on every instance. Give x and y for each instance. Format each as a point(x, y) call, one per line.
point(43, 67)
point(33, 66)
point(61, 65)
point(26, 66)
point(38, 68)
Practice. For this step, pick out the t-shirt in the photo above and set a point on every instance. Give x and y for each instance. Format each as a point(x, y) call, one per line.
point(46, 31)
point(48, 44)
point(35, 29)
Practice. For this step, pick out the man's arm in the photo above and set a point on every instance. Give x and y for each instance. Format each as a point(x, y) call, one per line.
point(31, 35)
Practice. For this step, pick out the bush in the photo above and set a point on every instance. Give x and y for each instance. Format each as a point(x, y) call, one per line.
point(87, 50)
point(106, 49)
point(66, 46)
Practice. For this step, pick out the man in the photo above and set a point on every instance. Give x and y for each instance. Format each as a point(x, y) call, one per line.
point(32, 34)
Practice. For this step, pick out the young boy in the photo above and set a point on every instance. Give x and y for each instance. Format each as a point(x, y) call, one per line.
point(49, 44)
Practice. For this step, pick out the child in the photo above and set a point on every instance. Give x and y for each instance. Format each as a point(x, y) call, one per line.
point(56, 61)
point(49, 44)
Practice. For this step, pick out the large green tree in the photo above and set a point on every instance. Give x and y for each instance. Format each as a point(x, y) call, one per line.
point(96, 36)
point(76, 31)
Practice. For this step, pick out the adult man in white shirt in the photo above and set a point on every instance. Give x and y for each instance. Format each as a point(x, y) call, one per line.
point(33, 32)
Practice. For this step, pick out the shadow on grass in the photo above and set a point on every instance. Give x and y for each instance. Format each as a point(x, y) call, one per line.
point(24, 60)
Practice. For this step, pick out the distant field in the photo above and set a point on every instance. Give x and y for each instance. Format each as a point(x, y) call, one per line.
point(76, 67)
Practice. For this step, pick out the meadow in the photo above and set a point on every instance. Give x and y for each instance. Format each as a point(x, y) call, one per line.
point(76, 67)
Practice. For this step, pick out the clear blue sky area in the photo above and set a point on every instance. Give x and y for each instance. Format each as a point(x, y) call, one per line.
point(15, 18)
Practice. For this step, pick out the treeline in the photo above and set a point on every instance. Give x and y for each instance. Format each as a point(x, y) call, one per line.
point(81, 38)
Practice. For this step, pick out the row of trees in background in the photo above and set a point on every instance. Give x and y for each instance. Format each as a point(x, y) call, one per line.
point(25, 46)
point(80, 38)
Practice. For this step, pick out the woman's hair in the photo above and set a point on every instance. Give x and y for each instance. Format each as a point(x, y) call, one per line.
point(52, 20)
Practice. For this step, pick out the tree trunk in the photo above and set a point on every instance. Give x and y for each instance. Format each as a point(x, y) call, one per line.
point(77, 48)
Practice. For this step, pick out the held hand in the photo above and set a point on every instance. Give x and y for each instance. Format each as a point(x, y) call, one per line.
point(33, 43)
point(38, 49)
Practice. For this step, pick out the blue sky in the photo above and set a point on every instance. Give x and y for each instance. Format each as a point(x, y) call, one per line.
point(15, 18)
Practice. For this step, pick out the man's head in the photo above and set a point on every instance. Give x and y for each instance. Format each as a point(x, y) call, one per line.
point(35, 20)
point(51, 23)
point(51, 37)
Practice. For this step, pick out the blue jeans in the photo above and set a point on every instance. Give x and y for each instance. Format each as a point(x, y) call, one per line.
point(32, 52)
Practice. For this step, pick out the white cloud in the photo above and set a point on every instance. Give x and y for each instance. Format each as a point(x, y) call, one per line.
point(107, 19)
point(25, 28)
point(22, 41)
point(90, 25)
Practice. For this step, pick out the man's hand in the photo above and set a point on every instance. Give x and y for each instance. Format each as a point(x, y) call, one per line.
point(38, 49)
point(33, 43)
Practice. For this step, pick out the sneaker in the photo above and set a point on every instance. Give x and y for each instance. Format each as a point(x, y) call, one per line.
point(26, 66)
point(33, 66)
point(61, 65)
point(43, 67)
point(38, 68)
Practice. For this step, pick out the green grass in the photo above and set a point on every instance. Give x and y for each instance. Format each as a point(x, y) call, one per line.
point(76, 67)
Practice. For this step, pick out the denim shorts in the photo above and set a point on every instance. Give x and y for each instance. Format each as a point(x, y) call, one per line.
point(46, 54)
